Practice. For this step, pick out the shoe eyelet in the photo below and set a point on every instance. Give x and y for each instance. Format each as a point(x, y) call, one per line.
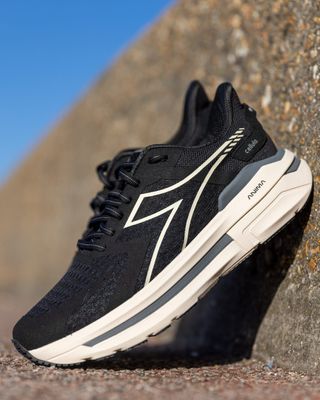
point(157, 158)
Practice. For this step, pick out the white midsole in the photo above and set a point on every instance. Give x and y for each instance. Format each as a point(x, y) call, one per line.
point(247, 221)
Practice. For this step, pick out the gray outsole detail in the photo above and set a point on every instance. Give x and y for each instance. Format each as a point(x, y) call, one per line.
point(243, 177)
point(294, 166)
point(224, 241)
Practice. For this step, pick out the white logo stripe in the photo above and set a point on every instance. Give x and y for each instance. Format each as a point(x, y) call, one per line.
point(176, 185)
point(174, 207)
point(196, 199)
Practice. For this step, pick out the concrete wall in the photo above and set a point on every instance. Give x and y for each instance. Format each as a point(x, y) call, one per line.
point(270, 51)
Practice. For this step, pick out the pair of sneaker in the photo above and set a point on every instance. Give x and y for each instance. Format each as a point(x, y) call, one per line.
point(170, 220)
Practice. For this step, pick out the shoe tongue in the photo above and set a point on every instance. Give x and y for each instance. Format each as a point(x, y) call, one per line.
point(223, 107)
point(195, 102)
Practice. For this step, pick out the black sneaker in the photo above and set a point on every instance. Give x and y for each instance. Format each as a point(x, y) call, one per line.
point(176, 219)
point(193, 124)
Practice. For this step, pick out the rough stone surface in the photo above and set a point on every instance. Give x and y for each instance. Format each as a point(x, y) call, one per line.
point(159, 370)
point(153, 372)
point(137, 377)
point(270, 51)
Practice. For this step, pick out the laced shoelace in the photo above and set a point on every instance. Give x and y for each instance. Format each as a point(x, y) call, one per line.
point(104, 174)
point(105, 171)
point(107, 206)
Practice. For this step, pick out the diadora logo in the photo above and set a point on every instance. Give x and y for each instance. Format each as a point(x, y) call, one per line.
point(254, 191)
point(251, 146)
point(215, 159)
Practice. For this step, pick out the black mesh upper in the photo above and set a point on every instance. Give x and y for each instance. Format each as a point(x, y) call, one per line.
point(97, 282)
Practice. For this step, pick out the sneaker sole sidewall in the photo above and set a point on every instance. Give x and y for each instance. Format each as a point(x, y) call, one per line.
point(232, 235)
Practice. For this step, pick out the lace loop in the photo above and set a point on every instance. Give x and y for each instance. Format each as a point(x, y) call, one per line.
point(108, 205)
point(107, 202)
point(103, 171)
point(104, 174)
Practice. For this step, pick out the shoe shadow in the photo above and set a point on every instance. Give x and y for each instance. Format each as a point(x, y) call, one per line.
point(225, 323)
point(223, 326)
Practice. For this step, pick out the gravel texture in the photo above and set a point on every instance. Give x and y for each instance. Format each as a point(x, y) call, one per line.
point(149, 374)
point(270, 51)
point(157, 370)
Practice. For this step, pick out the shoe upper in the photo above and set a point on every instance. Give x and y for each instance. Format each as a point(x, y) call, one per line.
point(140, 218)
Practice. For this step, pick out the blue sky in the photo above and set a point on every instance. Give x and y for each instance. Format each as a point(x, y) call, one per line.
point(51, 51)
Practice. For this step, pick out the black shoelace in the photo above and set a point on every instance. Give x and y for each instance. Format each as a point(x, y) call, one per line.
point(106, 206)
point(105, 172)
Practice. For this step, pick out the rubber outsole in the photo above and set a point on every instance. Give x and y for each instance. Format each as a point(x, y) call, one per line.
point(256, 237)
point(42, 363)
point(82, 364)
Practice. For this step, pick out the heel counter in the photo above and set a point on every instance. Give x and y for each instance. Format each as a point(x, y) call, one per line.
point(257, 143)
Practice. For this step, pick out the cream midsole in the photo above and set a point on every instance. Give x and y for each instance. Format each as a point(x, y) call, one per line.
point(247, 221)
